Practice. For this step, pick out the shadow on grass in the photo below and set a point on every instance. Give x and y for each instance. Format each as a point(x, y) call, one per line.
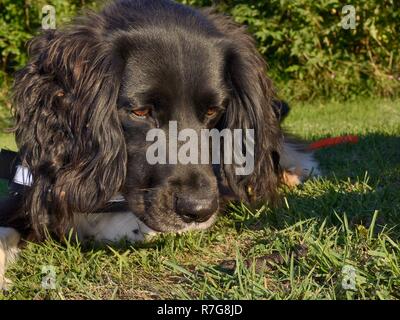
point(377, 154)
point(358, 179)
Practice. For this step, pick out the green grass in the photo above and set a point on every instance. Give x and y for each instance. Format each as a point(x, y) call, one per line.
point(7, 141)
point(350, 217)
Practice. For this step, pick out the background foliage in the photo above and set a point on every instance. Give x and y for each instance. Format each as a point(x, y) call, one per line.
point(309, 54)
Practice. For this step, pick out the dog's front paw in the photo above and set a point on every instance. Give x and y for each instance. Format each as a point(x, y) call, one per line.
point(298, 164)
point(291, 179)
point(9, 240)
point(112, 227)
point(123, 226)
point(5, 284)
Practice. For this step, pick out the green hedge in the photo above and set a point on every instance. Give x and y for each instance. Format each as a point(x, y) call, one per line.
point(310, 55)
point(308, 52)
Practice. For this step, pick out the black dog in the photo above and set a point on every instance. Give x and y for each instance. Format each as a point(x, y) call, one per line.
point(91, 92)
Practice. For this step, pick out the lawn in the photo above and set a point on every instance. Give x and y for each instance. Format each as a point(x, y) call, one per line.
point(337, 237)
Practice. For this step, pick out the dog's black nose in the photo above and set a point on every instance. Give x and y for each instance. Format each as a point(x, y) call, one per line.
point(193, 209)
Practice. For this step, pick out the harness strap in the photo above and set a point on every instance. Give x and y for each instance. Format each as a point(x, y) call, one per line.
point(20, 179)
point(8, 160)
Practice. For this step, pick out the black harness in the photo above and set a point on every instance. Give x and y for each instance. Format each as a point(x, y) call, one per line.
point(12, 202)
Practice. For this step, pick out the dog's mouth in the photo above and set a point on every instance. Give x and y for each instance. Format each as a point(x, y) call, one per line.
point(161, 219)
point(171, 222)
point(175, 206)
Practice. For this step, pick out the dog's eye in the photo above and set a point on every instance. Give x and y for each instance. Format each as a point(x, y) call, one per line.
point(212, 111)
point(142, 113)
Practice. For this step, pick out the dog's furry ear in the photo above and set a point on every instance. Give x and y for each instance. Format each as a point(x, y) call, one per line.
point(67, 128)
point(250, 107)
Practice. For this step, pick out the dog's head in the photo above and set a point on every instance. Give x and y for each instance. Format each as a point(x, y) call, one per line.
point(91, 93)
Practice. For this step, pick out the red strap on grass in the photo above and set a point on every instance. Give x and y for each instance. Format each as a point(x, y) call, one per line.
point(329, 142)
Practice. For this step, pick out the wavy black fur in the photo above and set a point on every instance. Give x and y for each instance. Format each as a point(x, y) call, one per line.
point(78, 139)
